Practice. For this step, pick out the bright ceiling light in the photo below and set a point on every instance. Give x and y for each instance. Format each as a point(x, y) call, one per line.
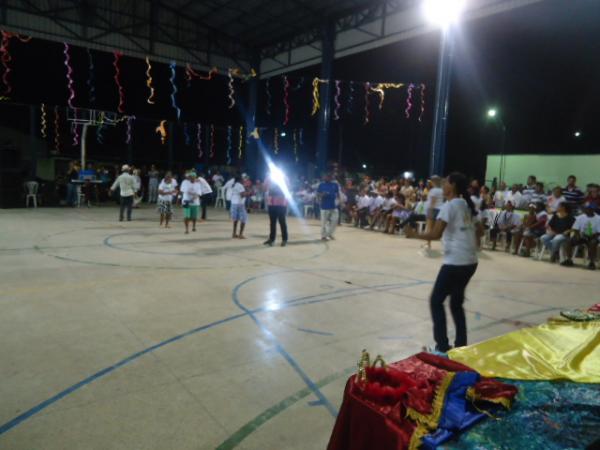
point(443, 12)
point(492, 112)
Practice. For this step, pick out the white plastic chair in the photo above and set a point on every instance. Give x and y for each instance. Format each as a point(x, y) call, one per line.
point(220, 198)
point(31, 188)
point(421, 226)
point(80, 196)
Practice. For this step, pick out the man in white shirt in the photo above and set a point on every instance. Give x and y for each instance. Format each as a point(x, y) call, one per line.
point(167, 189)
point(126, 183)
point(227, 190)
point(585, 231)
point(508, 222)
point(500, 196)
point(361, 210)
point(205, 197)
point(514, 196)
point(217, 180)
point(191, 191)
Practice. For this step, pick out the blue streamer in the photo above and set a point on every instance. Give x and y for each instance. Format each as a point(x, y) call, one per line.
point(300, 137)
point(269, 96)
point(229, 145)
point(350, 102)
point(173, 66)
point(186, 133)
point(91, 78)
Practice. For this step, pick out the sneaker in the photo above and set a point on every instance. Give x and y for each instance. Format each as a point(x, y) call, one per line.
point(324, 239)
point(331, 238)
point(268, 242)
point(567, 263)
point(283, 243)
point(591, 266)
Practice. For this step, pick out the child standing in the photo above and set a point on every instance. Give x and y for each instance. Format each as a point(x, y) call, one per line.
point(238, 206)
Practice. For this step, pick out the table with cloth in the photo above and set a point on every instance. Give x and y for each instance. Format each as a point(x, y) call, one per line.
point(551, 372)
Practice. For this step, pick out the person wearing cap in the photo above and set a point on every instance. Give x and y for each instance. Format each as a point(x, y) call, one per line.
point(126, 184)
point(191, 191)
point(508, 222)
point(585, 231)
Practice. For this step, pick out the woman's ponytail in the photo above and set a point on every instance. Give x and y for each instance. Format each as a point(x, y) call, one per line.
point(462, 189)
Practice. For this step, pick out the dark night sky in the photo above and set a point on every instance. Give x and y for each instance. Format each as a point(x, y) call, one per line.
point(540, 65)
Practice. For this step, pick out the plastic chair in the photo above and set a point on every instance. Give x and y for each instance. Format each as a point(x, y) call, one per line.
point(80, 197)
point(220, 198)
point(31, 190)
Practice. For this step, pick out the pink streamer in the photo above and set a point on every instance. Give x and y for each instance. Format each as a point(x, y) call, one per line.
point(422, 102)
point(409, 100)
point(367, 111)
point(129, 133)
point(117, 77)
point(212, 142)
point(286, 99)
point(69, 76)
point(199, 140)
point(336, 99)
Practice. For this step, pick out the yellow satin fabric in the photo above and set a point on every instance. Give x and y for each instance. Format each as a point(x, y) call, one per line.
point(554, 351)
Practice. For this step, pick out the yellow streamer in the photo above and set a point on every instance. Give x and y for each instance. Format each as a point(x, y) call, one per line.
point(44, 129)
point(316, 102)
point(380, 88)
point(149, 82)
point(162, 129)
point(240, 141)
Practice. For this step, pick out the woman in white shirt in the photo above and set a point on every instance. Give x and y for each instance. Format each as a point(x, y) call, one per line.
point(238, 206)
point(435, 199)
point(167, 189)
point(456, 225)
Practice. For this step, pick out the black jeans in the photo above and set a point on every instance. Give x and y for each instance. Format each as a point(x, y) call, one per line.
point(126, 202)
point(451, 281)
point(204, 201)
point(278, 213)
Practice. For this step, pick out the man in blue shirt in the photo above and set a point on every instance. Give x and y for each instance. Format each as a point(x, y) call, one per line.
point(328, 193)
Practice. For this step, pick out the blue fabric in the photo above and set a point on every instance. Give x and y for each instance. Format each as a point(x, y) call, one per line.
point(546, 416)
point(330, 191)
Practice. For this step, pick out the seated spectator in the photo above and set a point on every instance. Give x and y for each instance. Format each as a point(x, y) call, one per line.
point(508, 222)
point(573, 195)
point(486, 198)
point(514, 196)
point(500, 196)
point(376, 203)
point(534, 226)
point(529, 189)
point(384, 208)
point(360, 213)
point(407, 190)
point(557, 230)
point(593, 196)
point(400, 215)
point(554, 200)
point(585, 232)
point(538, 195)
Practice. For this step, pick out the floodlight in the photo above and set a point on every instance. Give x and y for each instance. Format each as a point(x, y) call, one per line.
point(364, 166)
point(577, 133)
point(443, 12)
point(283, 134)
point(492, 112)
point(408, 175)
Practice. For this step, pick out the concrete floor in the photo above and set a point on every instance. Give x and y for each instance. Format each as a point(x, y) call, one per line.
point(127, 336)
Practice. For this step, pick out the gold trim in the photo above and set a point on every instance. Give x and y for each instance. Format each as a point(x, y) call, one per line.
point(431, 421)
point(417, 436)
point(475, 397)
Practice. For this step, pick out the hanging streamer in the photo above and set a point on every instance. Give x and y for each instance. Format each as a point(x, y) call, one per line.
point(44, 120)
point(228, 154)
point(56, 130)
point(295, 138)
point(150, 99)
point(240, 142)
point(269, 97)
point(300, 137)
point(336, 100)
point(422, 95)
point(276, 142)
point(191, 73)
point(367, 119)
point(69, 76)
point(199, 140)
point(212, 142)
point(6, 58)
point(75, 130)
point(286, 99)
point(91, 77)
point(380, 88)
point(100, 129)
point(186, 134)
point(117, 78)
point(237, 72)
point(350, 102)
point(231, 88)
point(129, 132)
point(173, 67)
point(316, 103)
point(162, 130)
point(409, 100)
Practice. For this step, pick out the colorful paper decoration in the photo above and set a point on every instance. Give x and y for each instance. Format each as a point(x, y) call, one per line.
point(162, 130)
point(100, 129)
point(255, 134)
point(240, 142)
point(199, 140)
point(173, 67)
point(150, 99)
point(422, 95)
point(117, 78)
point(186, 134)
point(350, 101)
point(409, 100)
point(75, 131)
point(56, 130)
point(237, 72)
point(380, 88)
point(91, 81)
point(129, 132)
point(276, 142)
point(6, 58)
point(269, 96)
point(191, 73)
point(228, 154)
point(316, 103)
point(367, 118)
point(44, 120)
point(231, 88)
point(286, 99)
point(69, 76)
point(336, 100)
point(295, 138)
point(212, 142)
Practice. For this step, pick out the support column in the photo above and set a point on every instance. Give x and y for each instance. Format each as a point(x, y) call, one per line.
point(33, 147)
point(252, 155)
point(440, 119)
point(327, 56)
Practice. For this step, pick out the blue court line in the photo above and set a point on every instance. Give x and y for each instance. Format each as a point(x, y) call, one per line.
point(394, 338)
point(320, 333)
point(43, 405)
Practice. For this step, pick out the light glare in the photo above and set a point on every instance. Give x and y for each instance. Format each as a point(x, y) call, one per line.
point(577, 133)
point(492, 112)
point(443, 12)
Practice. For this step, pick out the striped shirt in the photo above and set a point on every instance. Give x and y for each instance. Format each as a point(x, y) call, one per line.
point(573, 195)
